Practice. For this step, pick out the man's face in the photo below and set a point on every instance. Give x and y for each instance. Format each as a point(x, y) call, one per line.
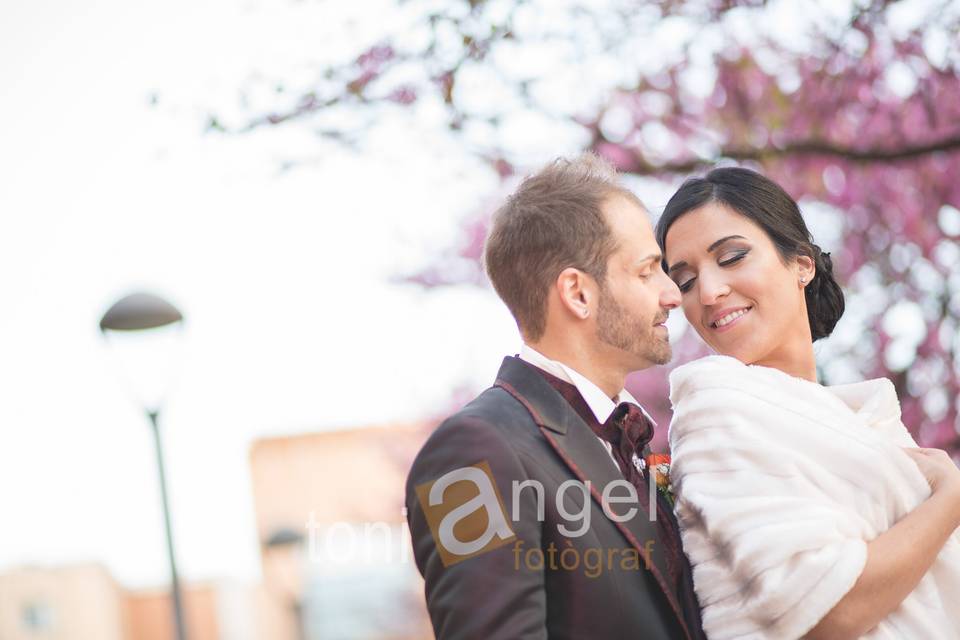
point(636, 296)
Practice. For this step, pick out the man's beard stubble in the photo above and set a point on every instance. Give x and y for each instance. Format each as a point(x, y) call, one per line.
point(616, 328)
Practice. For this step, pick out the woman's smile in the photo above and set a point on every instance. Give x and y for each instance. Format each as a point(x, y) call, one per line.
point(725, 319)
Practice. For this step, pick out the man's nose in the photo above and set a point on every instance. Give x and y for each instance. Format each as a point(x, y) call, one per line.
point(670, 296)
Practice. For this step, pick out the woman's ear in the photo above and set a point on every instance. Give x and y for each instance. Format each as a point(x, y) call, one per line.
point(806, 269)
point(576, 292)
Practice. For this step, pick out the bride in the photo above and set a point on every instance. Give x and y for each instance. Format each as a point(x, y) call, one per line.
point(806, 510)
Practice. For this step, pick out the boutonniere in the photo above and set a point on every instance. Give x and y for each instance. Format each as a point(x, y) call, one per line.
point(659, 465)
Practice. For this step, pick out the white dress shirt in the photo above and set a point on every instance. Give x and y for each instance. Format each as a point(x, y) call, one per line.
point(601, 405)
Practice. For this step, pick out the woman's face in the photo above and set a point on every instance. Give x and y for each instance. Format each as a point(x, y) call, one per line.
point(737, 292)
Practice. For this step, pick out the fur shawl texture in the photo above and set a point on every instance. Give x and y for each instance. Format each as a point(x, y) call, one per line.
point(781, 483)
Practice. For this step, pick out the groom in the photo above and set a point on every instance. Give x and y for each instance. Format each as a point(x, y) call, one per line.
point(531, 509)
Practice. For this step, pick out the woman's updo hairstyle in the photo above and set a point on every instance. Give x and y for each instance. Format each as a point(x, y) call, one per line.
point(769, 206)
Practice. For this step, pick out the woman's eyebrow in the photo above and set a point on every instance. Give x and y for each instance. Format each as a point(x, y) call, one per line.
point(722, 240)
point(677, 266)
point(712, 247)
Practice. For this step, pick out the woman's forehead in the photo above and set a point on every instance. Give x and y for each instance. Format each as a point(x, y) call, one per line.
point(697, 230)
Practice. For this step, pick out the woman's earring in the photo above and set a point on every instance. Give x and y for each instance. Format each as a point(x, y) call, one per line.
point(803, 281)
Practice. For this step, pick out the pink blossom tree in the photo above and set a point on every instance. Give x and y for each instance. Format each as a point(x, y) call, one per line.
point(855, 111)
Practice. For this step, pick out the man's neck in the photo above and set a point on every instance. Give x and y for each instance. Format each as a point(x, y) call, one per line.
point(610, 379)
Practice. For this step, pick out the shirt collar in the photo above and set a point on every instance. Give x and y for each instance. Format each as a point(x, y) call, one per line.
point(596, 399)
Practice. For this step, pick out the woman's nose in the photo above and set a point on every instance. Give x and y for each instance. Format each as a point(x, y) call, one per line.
point(712, 289)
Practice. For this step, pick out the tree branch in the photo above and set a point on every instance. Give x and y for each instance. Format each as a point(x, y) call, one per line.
point(642, 166)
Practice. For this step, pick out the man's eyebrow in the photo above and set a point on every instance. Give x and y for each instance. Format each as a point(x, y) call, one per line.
point(654, 257)
point(722, 240)
point(712, 247)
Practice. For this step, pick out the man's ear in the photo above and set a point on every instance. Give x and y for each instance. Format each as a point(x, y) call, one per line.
point(576, 290)
point(806, 269)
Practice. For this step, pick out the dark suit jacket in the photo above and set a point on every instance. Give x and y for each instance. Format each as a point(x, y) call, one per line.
point(525, 431)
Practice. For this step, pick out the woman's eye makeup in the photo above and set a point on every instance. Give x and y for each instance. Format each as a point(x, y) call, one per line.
point(728, 259)
point(733, 257)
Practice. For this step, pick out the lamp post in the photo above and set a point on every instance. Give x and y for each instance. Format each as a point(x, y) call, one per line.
point(138, 315)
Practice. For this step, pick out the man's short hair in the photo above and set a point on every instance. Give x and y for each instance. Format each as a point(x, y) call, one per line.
point(554, 220)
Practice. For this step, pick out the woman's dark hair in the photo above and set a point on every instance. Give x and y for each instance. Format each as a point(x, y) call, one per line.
point(769, 206)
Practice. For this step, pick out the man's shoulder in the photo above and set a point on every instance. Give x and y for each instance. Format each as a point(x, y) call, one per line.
point(494, 429)
point(492, 404)
point(495, 424)
point(495, 413)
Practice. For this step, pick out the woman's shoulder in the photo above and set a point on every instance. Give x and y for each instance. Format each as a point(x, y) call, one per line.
point(874, 400)
point(720, 398)
point(866, 392)
point(708, 372)
point(708, 363)
point(722, 385)
point(725, 372)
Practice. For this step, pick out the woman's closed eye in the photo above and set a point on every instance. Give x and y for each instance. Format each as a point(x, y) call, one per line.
point(733, 257)
point(728, 260)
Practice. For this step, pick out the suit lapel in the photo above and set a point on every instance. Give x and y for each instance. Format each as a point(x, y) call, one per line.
point(581, 451)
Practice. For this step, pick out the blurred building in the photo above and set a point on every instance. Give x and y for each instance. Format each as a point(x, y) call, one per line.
point(214, 611)
point(336, 558)
point(62, 603)
point(84, 601)
point(335, 547)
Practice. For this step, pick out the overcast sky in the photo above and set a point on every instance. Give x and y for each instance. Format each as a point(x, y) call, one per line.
point(283, 278)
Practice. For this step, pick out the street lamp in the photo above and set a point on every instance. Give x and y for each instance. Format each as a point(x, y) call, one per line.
point(142, 323)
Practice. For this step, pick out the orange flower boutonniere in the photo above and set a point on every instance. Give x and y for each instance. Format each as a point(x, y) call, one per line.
point(659, 465)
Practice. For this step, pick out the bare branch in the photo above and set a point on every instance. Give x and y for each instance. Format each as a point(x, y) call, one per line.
point(642, 166)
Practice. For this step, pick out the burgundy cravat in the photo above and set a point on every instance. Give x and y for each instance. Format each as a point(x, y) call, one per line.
point(629, 432)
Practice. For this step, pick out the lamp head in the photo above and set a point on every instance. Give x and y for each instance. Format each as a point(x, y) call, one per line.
point(144, 331)
point(139, 311)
